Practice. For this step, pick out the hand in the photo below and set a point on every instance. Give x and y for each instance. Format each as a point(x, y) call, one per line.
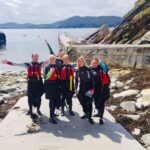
point(76, 92)
point(4, 61)
point(52, 69)
point(92, 91)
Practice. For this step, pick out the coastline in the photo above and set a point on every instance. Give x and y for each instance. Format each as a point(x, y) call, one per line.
point(122, 79)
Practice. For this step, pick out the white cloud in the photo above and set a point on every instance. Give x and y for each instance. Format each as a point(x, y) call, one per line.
point(16, 1)
point(11, 4)
point(47, 11)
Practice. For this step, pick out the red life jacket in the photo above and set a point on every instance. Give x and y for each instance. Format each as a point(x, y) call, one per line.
point(34, 71)
point(104, 78)
point(54, 75)
point(66, 72)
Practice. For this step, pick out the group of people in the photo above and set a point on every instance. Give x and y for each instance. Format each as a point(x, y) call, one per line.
point(61, 82)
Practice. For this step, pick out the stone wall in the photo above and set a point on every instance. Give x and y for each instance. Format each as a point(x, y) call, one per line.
point(119, 55)
point(124, 55)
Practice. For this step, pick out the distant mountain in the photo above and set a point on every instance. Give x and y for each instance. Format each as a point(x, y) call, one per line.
point(73, 22)
point(13, 25)
point(87, 22)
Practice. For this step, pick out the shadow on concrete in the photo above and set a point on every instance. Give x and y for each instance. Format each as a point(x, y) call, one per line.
point(75, 128)
point(72, 127)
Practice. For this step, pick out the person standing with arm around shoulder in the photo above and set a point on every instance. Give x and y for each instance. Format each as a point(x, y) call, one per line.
point(52, 89)
point(86, 88)
point(35, 87)
point(67, 84)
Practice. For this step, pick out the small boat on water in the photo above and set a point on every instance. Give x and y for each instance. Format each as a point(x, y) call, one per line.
point(2, 40)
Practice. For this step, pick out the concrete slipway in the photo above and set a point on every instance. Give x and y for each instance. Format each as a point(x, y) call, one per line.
point(71, 133)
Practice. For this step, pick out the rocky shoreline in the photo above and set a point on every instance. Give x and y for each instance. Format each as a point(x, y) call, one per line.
point(129, 102)
point(12, 87)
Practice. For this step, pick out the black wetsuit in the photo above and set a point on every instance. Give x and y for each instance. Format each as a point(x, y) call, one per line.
point(85, 76)
point(102, 91)
point(52, 89)
point(35, 87)
point(67, 91)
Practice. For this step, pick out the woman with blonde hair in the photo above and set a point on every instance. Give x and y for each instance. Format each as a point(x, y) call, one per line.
point(86, 88)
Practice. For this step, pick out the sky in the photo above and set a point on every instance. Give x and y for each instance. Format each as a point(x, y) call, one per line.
point(49, 11)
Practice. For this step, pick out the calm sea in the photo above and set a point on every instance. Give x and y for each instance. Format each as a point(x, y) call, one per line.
point(21, 43)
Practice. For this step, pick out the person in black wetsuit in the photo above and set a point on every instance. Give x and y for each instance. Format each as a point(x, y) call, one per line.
point(102, 90)
point(67, 84)
point(35, 87)
point(86, 88)
point(52, 89)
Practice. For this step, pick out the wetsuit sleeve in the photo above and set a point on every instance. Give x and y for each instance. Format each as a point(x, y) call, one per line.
point(76, 80)
point(59, 63)
point(43, 63)
point(14, 64)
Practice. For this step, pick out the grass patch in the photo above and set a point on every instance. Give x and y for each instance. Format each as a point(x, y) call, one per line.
point(138, 3)
point(143, 13)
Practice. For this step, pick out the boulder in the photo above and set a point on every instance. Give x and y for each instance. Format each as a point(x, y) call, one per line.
point(146, 94)
point(142, 102)
point(112, 107)
point(112, 85)
point(6, 96)
point(148, 148)
point(129, 81)
point(119, 84)
point(2, 39)
point(21, 80)
point(139, 95)
point(112, 90)
point(126, 93)
point(146, 139)
point(1, 100)
point(114, 79)
point(129, 106)
point(145, 39)
point(7, 90)
point(133, 117)
point(142, 112)
point(104, 30)
point(98, 35)
point(126, 87)
point(136, 131)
